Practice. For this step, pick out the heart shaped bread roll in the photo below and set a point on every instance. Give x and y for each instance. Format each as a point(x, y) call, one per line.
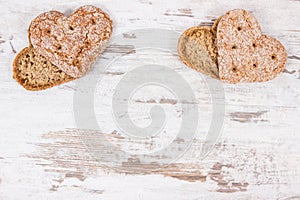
point(71, 43)
point(244, 53)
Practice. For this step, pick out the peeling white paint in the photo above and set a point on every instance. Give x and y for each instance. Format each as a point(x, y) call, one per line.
point(257, 156)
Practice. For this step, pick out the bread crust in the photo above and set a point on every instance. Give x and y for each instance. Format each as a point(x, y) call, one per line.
point(214, 27)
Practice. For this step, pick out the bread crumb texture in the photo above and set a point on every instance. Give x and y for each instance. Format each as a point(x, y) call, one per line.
point(34, 72)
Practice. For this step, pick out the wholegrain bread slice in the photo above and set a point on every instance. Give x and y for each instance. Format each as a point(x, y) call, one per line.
point(34, 72)
point(197, 49)
point(244, 53)
point(71, 43)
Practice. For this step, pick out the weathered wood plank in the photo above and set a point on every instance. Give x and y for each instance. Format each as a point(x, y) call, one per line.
point(256, 157)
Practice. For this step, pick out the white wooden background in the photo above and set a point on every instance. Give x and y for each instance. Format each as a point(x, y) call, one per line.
point(256, 157)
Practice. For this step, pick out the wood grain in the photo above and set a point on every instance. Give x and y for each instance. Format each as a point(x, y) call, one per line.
point(255, 157)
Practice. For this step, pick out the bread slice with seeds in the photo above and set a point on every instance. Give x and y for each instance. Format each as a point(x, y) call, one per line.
point(34, 72)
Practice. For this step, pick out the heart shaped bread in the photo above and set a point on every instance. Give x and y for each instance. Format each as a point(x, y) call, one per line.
point(71, 43)
point(34, 72)
point(244, 53)
point(197, 49)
